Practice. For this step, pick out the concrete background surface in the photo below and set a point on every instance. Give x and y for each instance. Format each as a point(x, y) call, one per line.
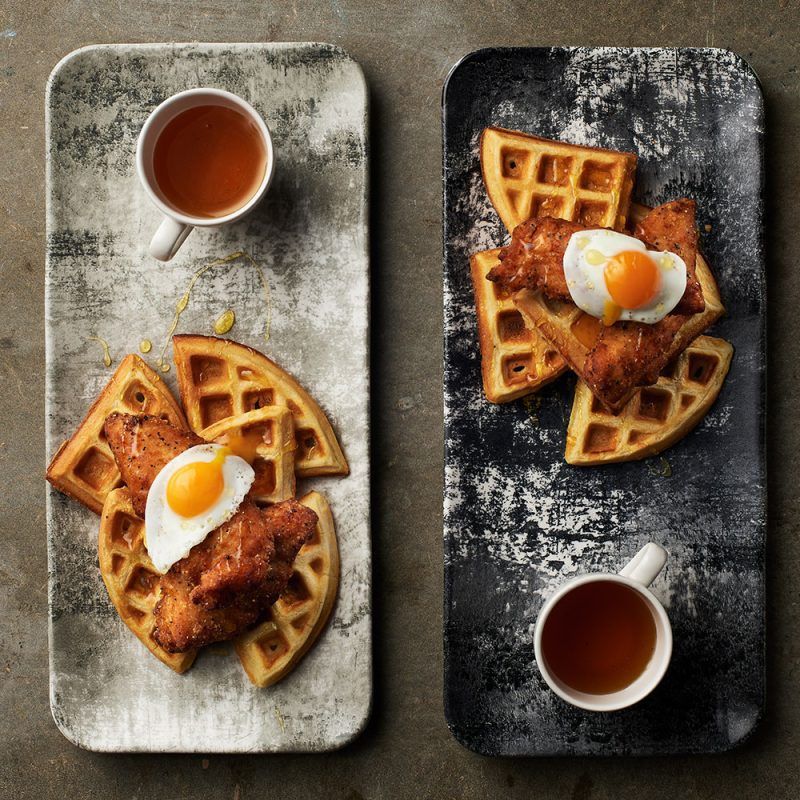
point(406, 49)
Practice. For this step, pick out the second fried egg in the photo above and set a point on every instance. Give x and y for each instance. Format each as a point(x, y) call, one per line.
point(613, 277)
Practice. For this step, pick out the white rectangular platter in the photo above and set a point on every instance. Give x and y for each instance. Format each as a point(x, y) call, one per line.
point(310, 237)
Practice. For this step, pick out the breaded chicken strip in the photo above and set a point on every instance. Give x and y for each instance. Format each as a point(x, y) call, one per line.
point(535, 257)
point(672, 228)
point(142, 446)
point(228, 581)
point(629, 354)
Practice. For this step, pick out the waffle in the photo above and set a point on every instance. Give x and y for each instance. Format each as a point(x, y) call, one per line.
point(130, 577)
point(656, 417)
point(83, 467)
point(270, 431)
point(526, 176)
point(272, 649)
point(219, 378)
point(515, 360)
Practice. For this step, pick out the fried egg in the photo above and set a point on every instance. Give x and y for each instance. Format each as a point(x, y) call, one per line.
point(613, 276)
point(196, 492)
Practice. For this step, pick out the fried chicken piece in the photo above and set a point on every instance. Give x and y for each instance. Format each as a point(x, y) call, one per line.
point(629, 354)
point(264, 541)
point(535, 257)
point(230, 579)
point(142, 446)
point(671, 227)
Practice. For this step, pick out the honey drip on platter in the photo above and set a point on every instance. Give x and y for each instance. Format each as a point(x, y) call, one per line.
point(106, 354)
point(224, 322)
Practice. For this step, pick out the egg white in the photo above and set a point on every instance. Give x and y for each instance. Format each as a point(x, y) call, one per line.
point(587, 284)
point(168, 536)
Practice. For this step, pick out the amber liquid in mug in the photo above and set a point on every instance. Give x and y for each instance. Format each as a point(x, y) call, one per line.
point(599, 637)
point(209, 161)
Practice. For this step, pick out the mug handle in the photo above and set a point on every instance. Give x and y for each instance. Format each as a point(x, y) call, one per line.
point(166, 241)
point(646, 564)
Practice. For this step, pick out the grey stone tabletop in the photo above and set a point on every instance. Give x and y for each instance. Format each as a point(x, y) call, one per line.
point(406, 50)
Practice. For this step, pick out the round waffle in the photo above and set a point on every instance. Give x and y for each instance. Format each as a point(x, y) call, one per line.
point(657, 416)
point(515, 360)
point(83, 467)
point(527, 176)
point(272, 432)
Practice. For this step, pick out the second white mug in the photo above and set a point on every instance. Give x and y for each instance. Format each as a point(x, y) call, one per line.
point(637, 574)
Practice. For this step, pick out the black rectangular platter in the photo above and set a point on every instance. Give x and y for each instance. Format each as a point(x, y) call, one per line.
point(518, 520)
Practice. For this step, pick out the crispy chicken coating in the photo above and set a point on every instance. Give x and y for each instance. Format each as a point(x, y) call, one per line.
point(629, 354)
point(624, 355)
point(535, 257)
point(228, 581)
point(672, 228)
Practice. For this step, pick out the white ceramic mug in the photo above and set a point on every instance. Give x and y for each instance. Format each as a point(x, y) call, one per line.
point(176, 226)
point(637, 574)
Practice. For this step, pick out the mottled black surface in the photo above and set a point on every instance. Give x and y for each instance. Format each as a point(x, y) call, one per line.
point(518, 519)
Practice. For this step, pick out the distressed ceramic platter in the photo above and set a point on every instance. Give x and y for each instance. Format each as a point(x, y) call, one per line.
point(310, 237)
point(518, 519)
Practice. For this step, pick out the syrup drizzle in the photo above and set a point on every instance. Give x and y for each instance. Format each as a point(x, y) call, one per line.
point(104, 344)
point(183, 301)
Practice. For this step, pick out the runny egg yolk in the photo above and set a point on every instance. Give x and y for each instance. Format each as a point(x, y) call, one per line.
point(632, 279)
point(587, 330)
point(195, 487)
point(245, 444)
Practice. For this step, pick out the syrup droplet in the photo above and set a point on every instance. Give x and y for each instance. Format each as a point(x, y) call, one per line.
point(183, 302)
point(104, 344)
point(145, 346)
point(224, 322)
point(595, 258)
